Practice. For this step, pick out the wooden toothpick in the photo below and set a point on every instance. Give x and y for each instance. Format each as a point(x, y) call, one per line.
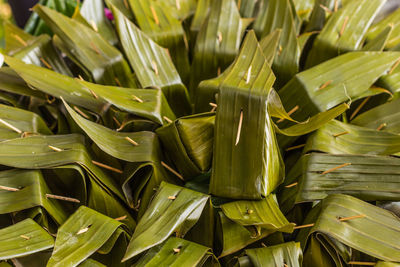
point(324, 85)
point(352, 217)
point(293, 110)
point(304, 226)
point(394, 66)
point(19, 39)
point(69, 199)
point(380, 127)
point(327, 10)
point(95, 48)
point(291, 185)
point(81, 112)
point(346, 20)
point(359, 107)
point(178, 4)
point(167, 119)
point(25, 237)
point(121, 218)
point(153, 11)
point(154, 67)
point(15, 129)
point(131, 141)
point(336, 168)
point(11, 189)
point(137, 99)
point(295, 147)
point(239, 128)
point(102, 165)
point(361, 263)
point(177, 174)
point(45, 63)
point(248, 75)
point(55, 148)
point(172, 197)
point(340, 134)
point(94, 26)
point(219, 35)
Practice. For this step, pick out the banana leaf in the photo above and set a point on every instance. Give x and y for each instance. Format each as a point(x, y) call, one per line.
point(92, 96)
point(387, 264)
point(117, 144)
point(42, 53)
point(156, 19)
point(10, 82)
point(249, 8)
point(233, 237)
point(344, 31)
point(391, 81)
point(93, 13)
point(152, 64)
point(217, 44)
point(208, 90)
point(343, 78)
point(280, 14)
point(386, 114)
point(304, 8)
point(104, 62)
point(36, 26)
point(263, 214)
point(177, 252)
point(189, 141)
point(236, 134)
point(356, 233)
point(13, 36)
point(354, 140)
point(200, 15)
point(173, 208)
point(23, 120)
point(377, 29)
point(367, 177)
point(380, 41)
point(122, 6)
point(34, 153)
point(181, 9)
point(91, 263)
point(32, 186)
point(319, 15)
point(23, 238)
point(289, 254)
point(84, 233)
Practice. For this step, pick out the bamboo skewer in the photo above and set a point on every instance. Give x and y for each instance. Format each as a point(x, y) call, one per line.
point(336, 168)
point(172, 170)
point(69, 199)
point(239, 128)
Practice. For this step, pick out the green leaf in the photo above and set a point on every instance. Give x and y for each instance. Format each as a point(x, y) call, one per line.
point(218, 42)
point(380, 27)
point(356, 140)
point(259, 213)
point(104, 62)
point(119, 144)
point(23, 238)
point(287, 253)
point(22, 120)
point(157, 20)
point(377, 172)
point(30, 185)
point(387, 114)
point(189, 142)
point(343, 78)
point(344, 31)
point(279, 14)
point(152, 64)
point(10, 82)
point(93, 12)
point(243, 127)
point(379, 42)
point(176, 252)
point(173, 208)
point(84, 233)
point(356, 233)
point(92, 96)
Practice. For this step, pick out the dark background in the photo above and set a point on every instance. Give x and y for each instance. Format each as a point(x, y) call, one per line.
point(21, 11)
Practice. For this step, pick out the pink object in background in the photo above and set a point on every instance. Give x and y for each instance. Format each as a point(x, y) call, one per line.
point(108, 13)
